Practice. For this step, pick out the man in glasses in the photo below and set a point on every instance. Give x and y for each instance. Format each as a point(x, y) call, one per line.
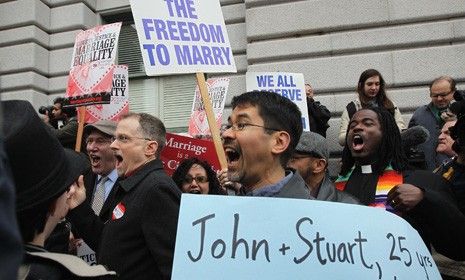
point(99, 184)
point(100, 181)
point(442, 91)
point(137, 240)
point(310, 159)
point(260, 137)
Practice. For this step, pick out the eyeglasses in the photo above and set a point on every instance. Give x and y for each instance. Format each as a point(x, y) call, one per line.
point(294, 158)
point(242, 126)
point(306, 155)
point(440, 94)
point(198, 179)
point(125, 139)
point(98, 141)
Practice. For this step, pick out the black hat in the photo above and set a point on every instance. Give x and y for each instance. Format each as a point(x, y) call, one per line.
point(42, 169)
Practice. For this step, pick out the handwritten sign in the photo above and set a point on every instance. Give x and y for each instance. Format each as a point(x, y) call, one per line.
point(180, 147)
point(217, 90)
point(182, 36)
point(290, 85)
point(275, 238)
point(91, 74)
point(119, 102)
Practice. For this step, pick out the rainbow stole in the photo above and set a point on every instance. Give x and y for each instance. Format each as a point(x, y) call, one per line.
point(386, 182)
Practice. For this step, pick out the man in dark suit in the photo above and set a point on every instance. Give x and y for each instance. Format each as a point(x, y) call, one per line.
point(99, 136)
point(98, 183)
point(137, 240)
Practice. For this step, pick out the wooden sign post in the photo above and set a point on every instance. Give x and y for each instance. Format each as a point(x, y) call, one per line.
point(211, 120)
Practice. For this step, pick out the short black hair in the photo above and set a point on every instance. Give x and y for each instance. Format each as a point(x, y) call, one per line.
point(68, 111)
point(277, 112)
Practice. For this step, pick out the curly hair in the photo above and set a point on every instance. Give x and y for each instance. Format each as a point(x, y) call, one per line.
point(390, 149)
point(181, 172)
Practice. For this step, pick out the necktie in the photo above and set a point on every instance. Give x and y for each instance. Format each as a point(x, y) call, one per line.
point(99, 196)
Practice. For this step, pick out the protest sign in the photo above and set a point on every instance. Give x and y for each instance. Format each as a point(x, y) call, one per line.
point(119, 102)
point(290, 85)
point(217, 90)
point(91, 74)
point(181, 147)
point(222, 237)
point(183, 36)
point(84, 252)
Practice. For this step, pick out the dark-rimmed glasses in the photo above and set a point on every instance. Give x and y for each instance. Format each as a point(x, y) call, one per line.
point(198, 179)
point(242, 126)
point(306, 155)
point(441, 94)
point(98, 141)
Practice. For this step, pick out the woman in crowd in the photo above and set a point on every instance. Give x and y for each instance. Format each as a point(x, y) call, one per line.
point(371, 93)
point(196, 176)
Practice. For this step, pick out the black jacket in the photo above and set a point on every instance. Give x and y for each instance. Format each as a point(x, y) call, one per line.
point(137, 241)
point(437, 217)
point(318, 116)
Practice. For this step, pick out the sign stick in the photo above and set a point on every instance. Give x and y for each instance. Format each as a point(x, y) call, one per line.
point(82, 117)
point(211, 120)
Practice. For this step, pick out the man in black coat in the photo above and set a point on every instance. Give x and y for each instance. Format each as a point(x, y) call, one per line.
point(45, 177)
point(137, 240)
point(375, 159)
point(318, 114)
point(99, 183)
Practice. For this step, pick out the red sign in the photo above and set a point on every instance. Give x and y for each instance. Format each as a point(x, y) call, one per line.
point(119, 102)
point(180, 147)
point(92, 66)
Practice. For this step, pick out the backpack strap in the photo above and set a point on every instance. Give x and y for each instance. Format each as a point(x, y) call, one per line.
point(351, 109)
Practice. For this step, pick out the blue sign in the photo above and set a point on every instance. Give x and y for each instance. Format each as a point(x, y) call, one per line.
point(221, 237)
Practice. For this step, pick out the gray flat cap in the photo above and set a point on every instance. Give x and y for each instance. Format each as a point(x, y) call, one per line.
point(311, 142)
point(105, 126)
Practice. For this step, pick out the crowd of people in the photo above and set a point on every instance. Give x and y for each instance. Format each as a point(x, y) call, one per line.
point(116, 208)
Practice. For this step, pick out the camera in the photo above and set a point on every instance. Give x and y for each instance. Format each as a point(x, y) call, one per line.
point(457, 132)
point(459, 95)
point(46, 110)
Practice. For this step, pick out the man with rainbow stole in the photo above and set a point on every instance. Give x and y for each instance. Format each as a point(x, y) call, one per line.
point(373, 160)
point(374, 170)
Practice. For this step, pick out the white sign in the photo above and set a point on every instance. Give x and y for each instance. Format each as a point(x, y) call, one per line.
point(290, 85)
point(182, 36)
point(221, 237)
point(85, 252)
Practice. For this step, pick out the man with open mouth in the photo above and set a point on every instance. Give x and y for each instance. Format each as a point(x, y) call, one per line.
point(100, 182)
point(261, 135)
point(374, 170)
point(137, 240)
